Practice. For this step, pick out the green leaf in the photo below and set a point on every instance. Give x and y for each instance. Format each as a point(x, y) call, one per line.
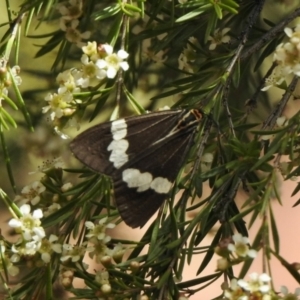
point(108, 12)
point(194, 13)
point(210, 253)
point(137, 107)
point(276, 239)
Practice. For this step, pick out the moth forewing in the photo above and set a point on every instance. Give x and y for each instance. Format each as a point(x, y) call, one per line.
point(142, 155)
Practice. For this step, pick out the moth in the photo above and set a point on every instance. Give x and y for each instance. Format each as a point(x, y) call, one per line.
point(142, 155)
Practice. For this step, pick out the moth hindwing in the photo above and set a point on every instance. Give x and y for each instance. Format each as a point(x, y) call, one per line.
point(142, 154)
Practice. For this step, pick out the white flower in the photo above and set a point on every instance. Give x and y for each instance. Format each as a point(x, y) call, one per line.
point(289, 296)
point(218, 38)
point(112, 62)
point(67, 82)
point(75, 253)
point(60, 104)
point(240, 246)
point(277, 77)
point(29, 224)
point(51, 209)
point(90, 74)
point(257, 283)
point(73, 35)
point(98, 249)
point(48, 246)
point(90, 49)
point(117, 252)
point(235, 292)
point(98, 231)
point(25, 248)
point(31, 193)
point(287, 55)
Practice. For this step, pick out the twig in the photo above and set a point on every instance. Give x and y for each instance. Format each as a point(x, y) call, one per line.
point(271, 120)
point(252, 102)
point(120, 73)
point(252, 19)
point(271, 34)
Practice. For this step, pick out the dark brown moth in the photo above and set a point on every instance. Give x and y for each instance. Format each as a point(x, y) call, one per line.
point(142, 154)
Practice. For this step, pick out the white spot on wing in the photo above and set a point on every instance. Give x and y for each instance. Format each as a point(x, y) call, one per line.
point(143, 181)
point(118, 154)
point(119, 129)
point(161, 185)
point(118, 145)
point(135, 179)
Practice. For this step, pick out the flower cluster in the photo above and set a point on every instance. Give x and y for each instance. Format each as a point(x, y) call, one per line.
point(96, 247)
point(256, 288)
point(233, 251)
point(287, 57)
point(98, 63)
point(32, 236)
point(33, 242)
point(98, 239)
point(70, 12)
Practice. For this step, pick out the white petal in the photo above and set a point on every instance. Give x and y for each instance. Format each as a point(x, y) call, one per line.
point(84, 59)
point(231, 247)
point(46, 257)
point(101, 74)
point(40, 232)
point(37, 214)
point(264, 277)
point(53, 238)
point(123, 54)
point(67, 247)
point(297, 291)
point(110, 225)
point(14, 223)
point(124, 65)
point(108, 48)
point(101, 63)
point(56, 248)
point(89, 225)
point(252, 253)
point(111, 73)
point(288, 31)
point(264, 288)
point(25, 209)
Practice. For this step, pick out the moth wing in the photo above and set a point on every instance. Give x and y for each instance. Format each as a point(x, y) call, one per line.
point(162, 161)
point(91, 146)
